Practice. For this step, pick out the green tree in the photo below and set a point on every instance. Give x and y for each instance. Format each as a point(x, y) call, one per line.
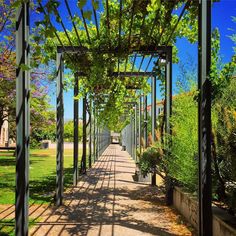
point(39, 101)
point(69, 131)
point(224, 129)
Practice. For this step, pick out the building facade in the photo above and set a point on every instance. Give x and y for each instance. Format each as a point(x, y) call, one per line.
point(159, 108)
point(4, 137)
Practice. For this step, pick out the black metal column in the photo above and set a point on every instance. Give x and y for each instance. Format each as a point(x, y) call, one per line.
point(94, 134)
point(60, 129)
point(140, 124)
point(22, 120)
point(204, 110)
point(154, 125)
point(76, 129)
point(145, 121)
point(168, 90)
point(83, 161)
point(97, 140)
point(90, 134)
point(135, 132)
point(130, 134)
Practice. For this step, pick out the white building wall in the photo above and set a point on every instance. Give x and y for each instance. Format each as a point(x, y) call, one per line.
point(4, 134)
point(159, 109)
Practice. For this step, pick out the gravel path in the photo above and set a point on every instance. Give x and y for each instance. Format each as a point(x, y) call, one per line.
point(107, 202)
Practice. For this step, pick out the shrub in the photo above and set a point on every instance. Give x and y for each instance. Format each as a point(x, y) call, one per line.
point(224, 128)
point(182, 163)
point(150, 158)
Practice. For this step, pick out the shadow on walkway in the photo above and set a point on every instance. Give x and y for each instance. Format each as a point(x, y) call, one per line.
point(108, 202)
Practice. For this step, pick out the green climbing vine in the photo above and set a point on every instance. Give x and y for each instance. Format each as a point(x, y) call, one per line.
point(110, 93)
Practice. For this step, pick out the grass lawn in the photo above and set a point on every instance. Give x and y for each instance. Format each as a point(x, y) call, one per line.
point(42, 175)
point(7, 227)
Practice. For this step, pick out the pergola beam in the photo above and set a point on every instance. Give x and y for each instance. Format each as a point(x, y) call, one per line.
point(108, 21)
point(55, 32)
point(139, 40)
point(126, 74)
point(133, 74)
point(177, 22)
point(72, 20)
point(162, 31)
point(130, 30)
point(148, 50)
point(119, 39)
point(95, 18)
point(85, 25)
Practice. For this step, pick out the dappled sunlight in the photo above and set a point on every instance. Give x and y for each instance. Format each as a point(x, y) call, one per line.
point(107, 201)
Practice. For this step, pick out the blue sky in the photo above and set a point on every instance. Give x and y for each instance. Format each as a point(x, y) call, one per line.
point(222, 13)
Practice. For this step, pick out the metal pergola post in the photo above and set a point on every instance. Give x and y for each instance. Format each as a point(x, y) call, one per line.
point(135, 133)
point(97, 140)
point(84, 152)
point(22, 120)
point(168, 90)
point(140, 124)
point(145, 121)
point(98, 144)
point(94, 134)
point(90, 135)
point(76, 129)
point(154, 125)
point(204, 118)
point(60, 129)
point(131, 136)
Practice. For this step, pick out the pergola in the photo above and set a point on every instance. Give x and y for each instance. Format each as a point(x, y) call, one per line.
point(101, 138)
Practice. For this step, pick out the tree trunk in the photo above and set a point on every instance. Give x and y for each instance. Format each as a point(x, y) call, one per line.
point(169, 186)
point(221, 185)
point(154, 183)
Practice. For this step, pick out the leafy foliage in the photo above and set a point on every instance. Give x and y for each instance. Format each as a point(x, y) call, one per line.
point(111, 93)
point(182, 163)
point(7, 88)
point(41, 115)
point(69, 131)
point(41, 130)
point(224, 128)
point(221, 74)
point(150, 158)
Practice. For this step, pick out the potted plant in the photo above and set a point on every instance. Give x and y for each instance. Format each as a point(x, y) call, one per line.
point(149, 160)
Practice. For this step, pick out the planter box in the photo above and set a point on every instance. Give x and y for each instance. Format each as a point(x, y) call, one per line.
point(140, 178)
point(146, 179)
point(187, 205)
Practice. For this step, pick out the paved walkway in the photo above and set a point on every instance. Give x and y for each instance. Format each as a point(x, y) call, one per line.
point(107, 202)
